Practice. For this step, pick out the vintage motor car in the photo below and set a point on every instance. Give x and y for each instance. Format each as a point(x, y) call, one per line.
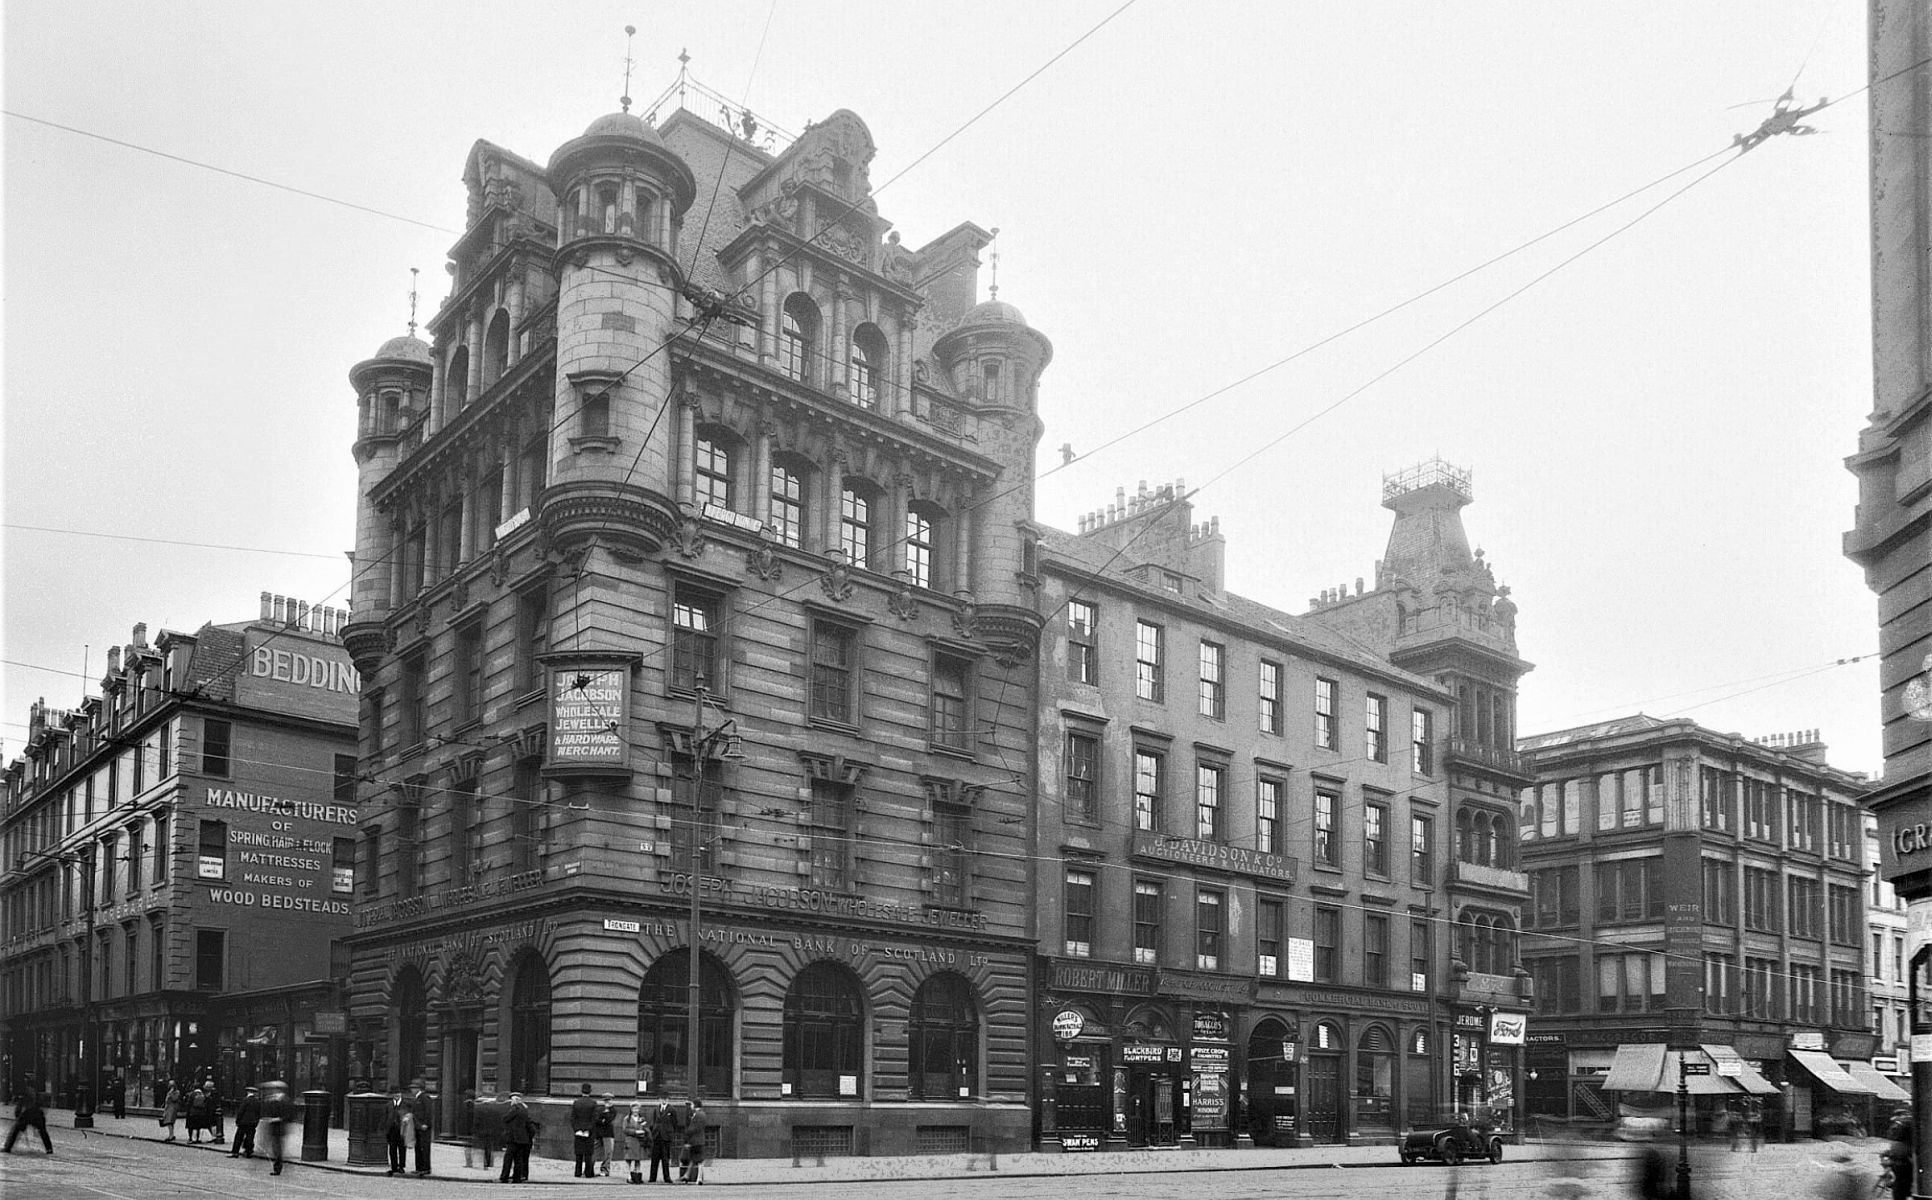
point(1455, 1137)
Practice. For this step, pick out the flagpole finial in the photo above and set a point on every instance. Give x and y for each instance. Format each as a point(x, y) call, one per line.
point(630, 31)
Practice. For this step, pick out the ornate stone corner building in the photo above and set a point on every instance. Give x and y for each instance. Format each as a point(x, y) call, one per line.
point(699, 536)
point(1248, 900)
point(178, 856)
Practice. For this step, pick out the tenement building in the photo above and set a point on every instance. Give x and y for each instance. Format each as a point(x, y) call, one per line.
point(1697, 896)
point(1437, 610)
point(179, 854)
point(695, 604)
point(1246, 891)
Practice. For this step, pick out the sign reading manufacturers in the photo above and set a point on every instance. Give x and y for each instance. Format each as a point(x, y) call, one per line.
point(274, 853)
point(1218, 855)
point(589, 715)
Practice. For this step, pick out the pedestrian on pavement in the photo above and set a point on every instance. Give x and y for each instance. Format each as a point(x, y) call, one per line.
point(214, 1110)
point(1653, 1177)
point(637, 1141)
point(519, 1131)
point(247, 1116)
point(604, 1129)
point(399, 1133)
point(28, 1114)
point(422, 1106)
point(197, 1113)
point(486, 1128)
point(1897, 1155)
point(171, 1109)
point(119, 1092)
point(667, 1134)
point(1754, 1123)
point(277, 1111)
point(1734, 1126)
point(694, 1131)
point(583, 1124)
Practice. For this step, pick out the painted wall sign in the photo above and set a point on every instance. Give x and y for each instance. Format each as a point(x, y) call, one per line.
point(1100, 977)
point(589, 715)
point(1141, 1052)
point(1218, 855)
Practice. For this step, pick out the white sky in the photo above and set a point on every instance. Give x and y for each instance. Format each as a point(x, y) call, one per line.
point(1199, 189)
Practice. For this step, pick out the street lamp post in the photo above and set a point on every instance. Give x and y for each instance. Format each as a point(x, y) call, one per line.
point(89, 1035)
point(700, 748)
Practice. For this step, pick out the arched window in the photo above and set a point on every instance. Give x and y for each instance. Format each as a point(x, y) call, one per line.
point(607, 207)
point(711, 471)
point(943, 1040)
point(868, 363)
point(456, 382)
point(663, 1008)
point(496, 348)
point(1375, 1081)
point(410, 1001)
point(990, 373)
point(856, 505)
point(787, 504)
point(798, 330)
point(527, 1068)
point(824, 1052)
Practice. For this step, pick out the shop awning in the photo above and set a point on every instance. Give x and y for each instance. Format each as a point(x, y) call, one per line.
point(1873, 1078)
point(1821, 1067)
point(1653, 1067)
point(1732, 1066)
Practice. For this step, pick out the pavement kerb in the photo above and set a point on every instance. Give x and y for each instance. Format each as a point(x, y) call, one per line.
point(1027, 1165)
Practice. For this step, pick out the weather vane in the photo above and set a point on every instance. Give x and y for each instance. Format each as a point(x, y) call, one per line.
point(412, 302)
point(1784, 118)
point(993, 290)
point(630, 31)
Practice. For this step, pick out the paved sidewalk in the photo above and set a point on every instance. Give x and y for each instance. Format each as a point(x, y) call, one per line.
point(447, 1163)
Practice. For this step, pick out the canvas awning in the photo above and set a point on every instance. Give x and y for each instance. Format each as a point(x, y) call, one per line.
point(1653, 1067)
point(1732, 1066)
point(1873, 1078)
point(1821, 1067)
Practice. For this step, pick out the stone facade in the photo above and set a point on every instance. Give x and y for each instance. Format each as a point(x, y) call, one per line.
point(697, 597)
point(177, 848)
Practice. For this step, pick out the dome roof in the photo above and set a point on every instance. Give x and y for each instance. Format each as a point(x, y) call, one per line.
point(409, 347)
point(623, 124)
point(994, 312)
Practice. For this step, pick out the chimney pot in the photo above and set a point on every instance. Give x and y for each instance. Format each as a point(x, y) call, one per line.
point(141, 634)
point(265, 603)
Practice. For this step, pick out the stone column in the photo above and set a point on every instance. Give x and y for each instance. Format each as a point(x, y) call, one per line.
point(476, 356)
point(767, 314)
point(902, 370)
point(839, 352)
point(828, 510)
point(687, 450)
point(761, 473)
point(962, 545)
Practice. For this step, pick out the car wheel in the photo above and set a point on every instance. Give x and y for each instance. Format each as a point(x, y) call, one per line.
point(1451, 1153)
point(1495, 1150)
point(1407, 1158)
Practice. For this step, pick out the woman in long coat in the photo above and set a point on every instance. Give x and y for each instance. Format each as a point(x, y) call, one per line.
point(637, 1140)
point(171, 1110)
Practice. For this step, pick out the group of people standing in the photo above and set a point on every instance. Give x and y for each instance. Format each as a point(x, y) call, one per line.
point(199, 1105)
point(658, 1136)
point(411, 1127)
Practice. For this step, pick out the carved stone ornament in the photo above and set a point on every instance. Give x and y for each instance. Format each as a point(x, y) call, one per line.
point(624, 254)
point(460, 594)
point(423, 615)
point(499, 567)
point(689, 537)
point(389, 639)
point(964, 620)
point(463, 975)
point(837, 579)
point(763, 562)
point(901, 602)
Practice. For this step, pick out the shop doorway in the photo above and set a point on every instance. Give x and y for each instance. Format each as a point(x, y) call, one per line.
point(1324, 1079)
point(1273, 1115)
point(460, 1053)
point(1153, 1108)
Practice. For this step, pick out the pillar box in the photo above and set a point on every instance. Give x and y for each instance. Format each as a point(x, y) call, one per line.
point(315, 1125)
point(368, 1129)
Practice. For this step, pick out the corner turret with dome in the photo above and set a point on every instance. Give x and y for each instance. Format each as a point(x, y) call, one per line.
point(697, 493)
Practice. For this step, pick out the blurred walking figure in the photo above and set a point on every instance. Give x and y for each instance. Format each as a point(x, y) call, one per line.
point(1843, 1180)
point(1734, 1125)
point(1653, 1178)
point(277, 1111)
point(694, 1132)
point(1754, 1122)
point(28, 1114)
point(1897, 1155)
